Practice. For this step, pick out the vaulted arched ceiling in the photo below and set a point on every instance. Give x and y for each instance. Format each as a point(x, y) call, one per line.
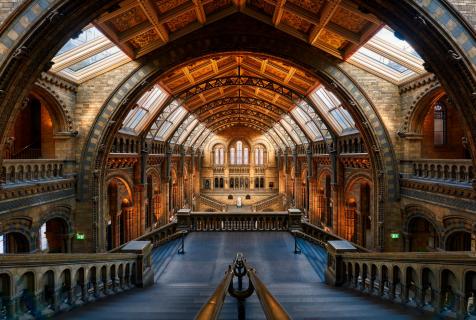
point(236, 89)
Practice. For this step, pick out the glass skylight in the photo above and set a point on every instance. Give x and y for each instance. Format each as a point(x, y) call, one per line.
point(95, 58)
point(381, 59)
point(87, 56)
point(330, 105)
point(85, 36)
point(388, 57)
point(388, 35)
point(145, 108)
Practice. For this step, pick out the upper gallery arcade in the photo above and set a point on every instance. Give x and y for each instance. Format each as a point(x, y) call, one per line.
point(114, 115)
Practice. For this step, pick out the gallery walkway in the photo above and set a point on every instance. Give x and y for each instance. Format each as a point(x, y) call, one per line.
point(185, 282)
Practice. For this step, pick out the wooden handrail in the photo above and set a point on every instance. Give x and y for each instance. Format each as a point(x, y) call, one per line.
point(212, 309)
point(272, 309)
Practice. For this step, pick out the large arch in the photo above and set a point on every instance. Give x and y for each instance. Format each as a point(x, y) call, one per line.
point(441, 28)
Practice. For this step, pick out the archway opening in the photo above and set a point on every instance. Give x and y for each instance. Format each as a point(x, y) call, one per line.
point(422, 234)
point(443, 136)
point(458, 241)
point(54, 236)
point(31, 136)
point(16, 242)
point(120, 214)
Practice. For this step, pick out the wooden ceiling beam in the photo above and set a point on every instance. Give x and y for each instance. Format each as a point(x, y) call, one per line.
point(290, 75)
point(106, 30)
point(327, 12)
point(177, 11)
point(189, 76)
point(343, 32)
point(200, 12)
point(239, 4)
point(153, 16)
point(301, 12)
point(354, 8)
point(126, 6)
point(135, 31)
point(278, 12)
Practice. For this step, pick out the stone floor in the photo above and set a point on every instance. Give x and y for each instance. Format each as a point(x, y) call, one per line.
point(184, 282)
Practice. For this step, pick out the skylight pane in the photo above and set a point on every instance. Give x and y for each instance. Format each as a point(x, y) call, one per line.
point(93, 59)
point(382, 60)
point(388, 35)
point(85, 36)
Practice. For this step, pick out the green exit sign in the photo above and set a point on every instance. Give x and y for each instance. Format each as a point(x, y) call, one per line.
point(395, 235)
point(80, 236)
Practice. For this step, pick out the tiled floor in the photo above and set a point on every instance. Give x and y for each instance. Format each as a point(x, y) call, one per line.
point(184, 282)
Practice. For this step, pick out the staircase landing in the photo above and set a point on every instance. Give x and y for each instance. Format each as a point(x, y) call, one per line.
point(185, 282)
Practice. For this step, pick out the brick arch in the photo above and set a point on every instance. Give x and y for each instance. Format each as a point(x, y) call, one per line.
point(413, 121)
point(22, 225)
point(416, 211)
point(354, 178)
point(124, 178)
point(55, 106)
point(62, 212)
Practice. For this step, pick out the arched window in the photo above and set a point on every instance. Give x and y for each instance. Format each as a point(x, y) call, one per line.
point(219, 156)
point(245, 156)
point(222, 156)
point(259, 156)
point(439, 124)
point(239, 152)
point(232, 155)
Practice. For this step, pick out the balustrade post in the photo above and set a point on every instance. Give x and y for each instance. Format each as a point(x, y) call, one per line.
point(335, 266)
point(294, 219)
point(144, 270)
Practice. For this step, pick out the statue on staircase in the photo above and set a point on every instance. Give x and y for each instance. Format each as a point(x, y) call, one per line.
point(471, 307)
point(238, 202)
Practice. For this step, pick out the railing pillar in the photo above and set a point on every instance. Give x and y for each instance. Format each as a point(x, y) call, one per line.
point(144, 271)
point(183, 219)
point(335, 267)
point(294, 219)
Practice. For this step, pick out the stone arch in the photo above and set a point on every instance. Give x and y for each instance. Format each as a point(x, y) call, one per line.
point(63, 212)
point(56, 107)
point(419, 109)
point(413, 212)
point(416, 211)
point(23, 226)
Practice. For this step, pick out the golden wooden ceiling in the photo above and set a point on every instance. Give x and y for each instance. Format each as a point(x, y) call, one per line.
point(335, 26)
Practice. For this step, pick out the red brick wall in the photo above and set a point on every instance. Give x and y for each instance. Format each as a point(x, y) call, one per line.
point(453, 149)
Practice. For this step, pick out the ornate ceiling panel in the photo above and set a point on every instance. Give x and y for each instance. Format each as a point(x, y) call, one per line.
point(335, 26)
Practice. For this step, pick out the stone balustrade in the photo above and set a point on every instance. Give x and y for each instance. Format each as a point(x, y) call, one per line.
point(40, 285)
point(457, 171)
point(17, 171)
point(210, 202)
point(157, 236)
point(218, 170)
point(441, 282)
point(239, 222)
point(268, 202)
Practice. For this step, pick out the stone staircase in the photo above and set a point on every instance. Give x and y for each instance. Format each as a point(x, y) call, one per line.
point(185, 282)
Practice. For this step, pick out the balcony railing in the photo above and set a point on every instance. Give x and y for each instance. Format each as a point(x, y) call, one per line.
point(37, 286)
point(16, 171)
point(202, 221)
point(459, 171)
